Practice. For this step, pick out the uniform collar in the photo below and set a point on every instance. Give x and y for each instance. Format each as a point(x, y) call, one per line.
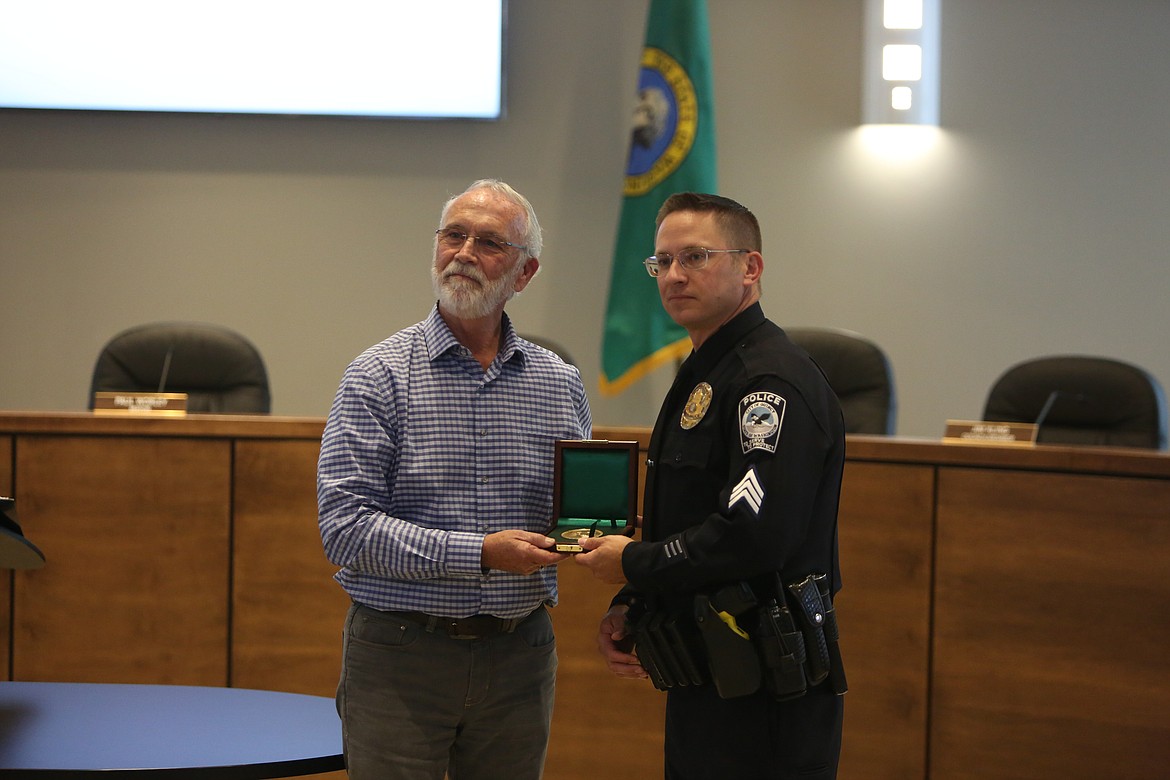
point(724, 340)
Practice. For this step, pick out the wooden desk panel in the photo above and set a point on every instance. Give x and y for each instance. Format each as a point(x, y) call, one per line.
point(137, 590)
point(287, 612)
point(1051, 628)
point(135, 531)
point(5, 576)
point(6, 466)
point(886, 519)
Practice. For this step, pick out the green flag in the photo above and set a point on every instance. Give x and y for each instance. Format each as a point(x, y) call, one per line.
point(672, 149)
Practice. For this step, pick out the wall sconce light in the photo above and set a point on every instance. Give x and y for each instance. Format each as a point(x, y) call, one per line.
point(900, 62)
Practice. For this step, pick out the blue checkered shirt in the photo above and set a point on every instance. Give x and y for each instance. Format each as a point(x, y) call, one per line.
point(425, 453)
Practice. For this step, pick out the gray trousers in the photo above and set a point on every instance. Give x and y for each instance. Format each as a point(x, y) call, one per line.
point(416, 705)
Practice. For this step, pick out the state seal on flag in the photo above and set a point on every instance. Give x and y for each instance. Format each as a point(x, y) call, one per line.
point(664, 122)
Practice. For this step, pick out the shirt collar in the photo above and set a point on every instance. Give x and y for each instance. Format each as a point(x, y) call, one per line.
point(440, 340)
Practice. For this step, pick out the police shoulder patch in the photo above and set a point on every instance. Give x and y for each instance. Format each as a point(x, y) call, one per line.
point(760, 417)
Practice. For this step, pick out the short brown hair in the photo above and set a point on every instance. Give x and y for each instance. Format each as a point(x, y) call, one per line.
point(740, 224)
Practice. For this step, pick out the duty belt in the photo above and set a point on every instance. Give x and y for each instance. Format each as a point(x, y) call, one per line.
point(793, 644)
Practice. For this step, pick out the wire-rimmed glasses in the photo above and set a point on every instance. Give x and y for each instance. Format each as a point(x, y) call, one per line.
point(693, 258)
point(490, 245)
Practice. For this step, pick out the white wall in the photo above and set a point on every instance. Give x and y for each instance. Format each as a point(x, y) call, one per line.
point(1035, 221)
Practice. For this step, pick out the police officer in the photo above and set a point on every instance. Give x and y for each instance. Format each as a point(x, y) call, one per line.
point(742, 481)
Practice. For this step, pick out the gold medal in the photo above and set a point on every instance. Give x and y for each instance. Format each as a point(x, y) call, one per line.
point(696, 406)
point(580, 533)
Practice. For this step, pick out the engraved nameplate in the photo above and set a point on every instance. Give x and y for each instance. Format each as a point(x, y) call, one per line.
point(165, 404)
point(999, 434)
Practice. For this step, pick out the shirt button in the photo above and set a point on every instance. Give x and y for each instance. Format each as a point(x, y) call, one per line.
point(483, 431)
point(483, 480)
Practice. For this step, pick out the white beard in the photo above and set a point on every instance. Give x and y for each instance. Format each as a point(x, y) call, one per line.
point(472, 299)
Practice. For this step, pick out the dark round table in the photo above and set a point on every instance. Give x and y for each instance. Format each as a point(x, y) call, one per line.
point(173, 731)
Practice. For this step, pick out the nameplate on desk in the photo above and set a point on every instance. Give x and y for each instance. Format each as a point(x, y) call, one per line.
point(999, 434)
point(163, 404)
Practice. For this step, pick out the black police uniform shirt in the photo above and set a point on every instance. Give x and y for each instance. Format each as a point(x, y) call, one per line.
point(743, 470)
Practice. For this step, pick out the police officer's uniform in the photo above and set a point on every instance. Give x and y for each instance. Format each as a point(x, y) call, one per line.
point(743, 478)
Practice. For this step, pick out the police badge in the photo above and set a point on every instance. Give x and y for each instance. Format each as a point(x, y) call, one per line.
point(696, 406)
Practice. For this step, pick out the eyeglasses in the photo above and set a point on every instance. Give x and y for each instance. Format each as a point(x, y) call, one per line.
point(693, 258)
point(489, 245)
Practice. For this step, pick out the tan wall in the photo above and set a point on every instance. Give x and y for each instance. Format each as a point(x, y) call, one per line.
point(1034, 222)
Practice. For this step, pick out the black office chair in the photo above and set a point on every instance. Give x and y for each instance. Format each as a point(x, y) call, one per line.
point(859, 373)
point(1080, 399)
point(220, 370)
point(550, 345)
point(16, 552)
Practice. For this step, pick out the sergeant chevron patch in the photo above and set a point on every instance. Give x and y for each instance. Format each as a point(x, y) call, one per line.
point(749, 491)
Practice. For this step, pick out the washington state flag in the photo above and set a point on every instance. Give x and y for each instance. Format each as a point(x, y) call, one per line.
point(672, 149)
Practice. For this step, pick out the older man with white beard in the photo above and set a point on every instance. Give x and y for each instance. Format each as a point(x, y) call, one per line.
point(435, 489)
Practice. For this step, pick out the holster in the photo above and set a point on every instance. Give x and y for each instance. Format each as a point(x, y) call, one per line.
point(812, 602)
point(837, 680)
point(731, 655)
point(781, 647)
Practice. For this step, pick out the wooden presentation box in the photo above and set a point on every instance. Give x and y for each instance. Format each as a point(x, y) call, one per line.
point(595, 490)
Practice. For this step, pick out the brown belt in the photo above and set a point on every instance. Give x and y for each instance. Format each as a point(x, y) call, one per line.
point(474, 627)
